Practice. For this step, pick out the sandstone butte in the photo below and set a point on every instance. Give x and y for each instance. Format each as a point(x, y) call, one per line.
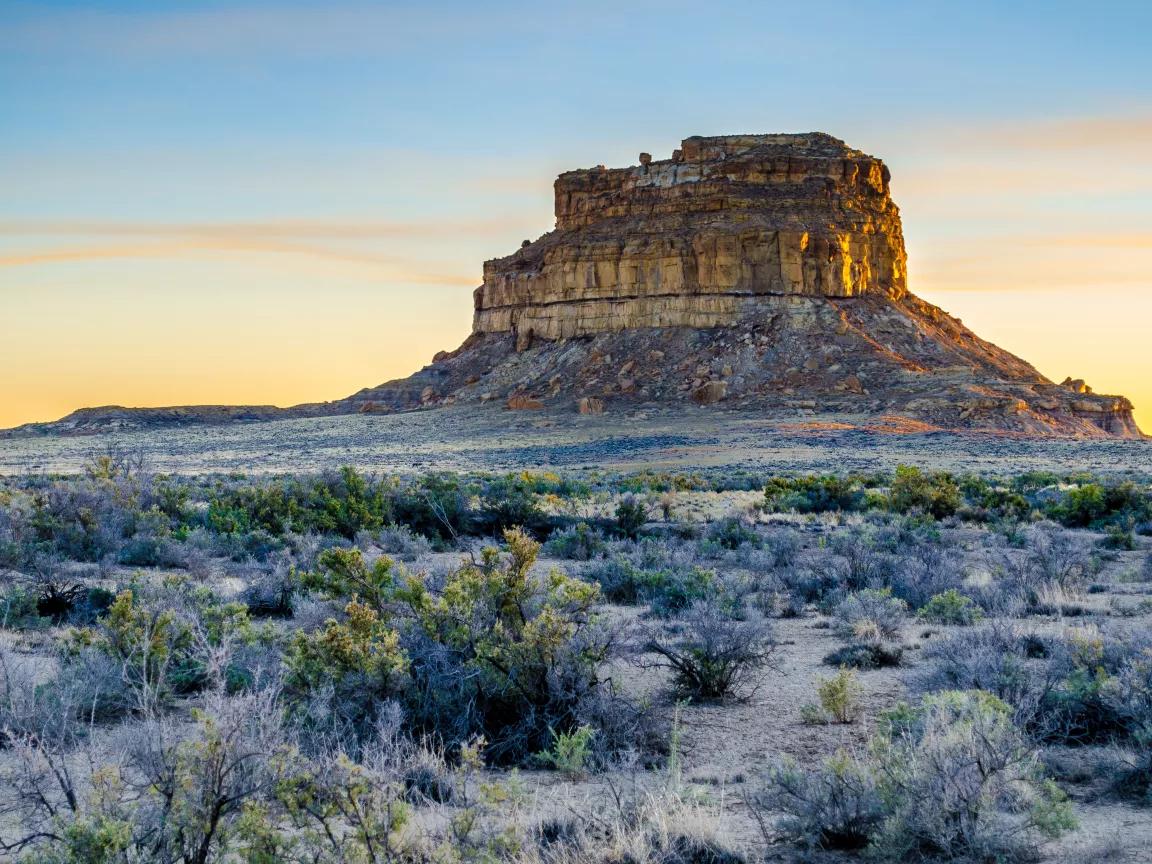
point(765, 273)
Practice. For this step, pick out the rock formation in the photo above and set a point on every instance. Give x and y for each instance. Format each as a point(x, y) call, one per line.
point(695, 240)
point(764, 272)
point(759, 272)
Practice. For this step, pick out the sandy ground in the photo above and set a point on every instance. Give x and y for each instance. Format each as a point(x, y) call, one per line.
point(726, 747)
point(491, 438)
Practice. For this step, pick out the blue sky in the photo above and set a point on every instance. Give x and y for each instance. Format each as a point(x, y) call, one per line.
point(369, 156)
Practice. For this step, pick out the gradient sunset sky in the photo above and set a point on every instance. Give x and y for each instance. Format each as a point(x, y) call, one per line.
point(280, 202)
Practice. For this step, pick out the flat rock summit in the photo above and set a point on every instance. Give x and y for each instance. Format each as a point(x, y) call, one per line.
point(760, 272)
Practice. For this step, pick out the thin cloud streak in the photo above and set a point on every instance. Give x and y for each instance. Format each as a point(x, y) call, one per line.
point(1109, 132)
point(1120, 240)
point(1116, 130)
point(396, 269)
point(325, 30)
point(303, 228)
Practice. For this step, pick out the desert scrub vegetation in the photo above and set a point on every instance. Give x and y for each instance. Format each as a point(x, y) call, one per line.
point(950, 777)
point(839, 700)
point(493, 651)
point(871, 615)
point(713, 651)
point(342, 666)
point(951, 607)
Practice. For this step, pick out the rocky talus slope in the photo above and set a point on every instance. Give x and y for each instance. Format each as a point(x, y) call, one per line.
point(758, 272)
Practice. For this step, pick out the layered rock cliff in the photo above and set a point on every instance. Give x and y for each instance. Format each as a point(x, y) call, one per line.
point(765, 272)
point(683, 242)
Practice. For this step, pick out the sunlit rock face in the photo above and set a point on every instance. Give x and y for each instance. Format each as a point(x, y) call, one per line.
point(687, 241)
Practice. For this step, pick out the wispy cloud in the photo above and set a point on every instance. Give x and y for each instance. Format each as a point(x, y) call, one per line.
point(350, 242)
point(289, 31)
point(393, 268)
point(280, 228)
point(944, 184)
point(1036, 261)
point(1102, 132)
point(1105, 131)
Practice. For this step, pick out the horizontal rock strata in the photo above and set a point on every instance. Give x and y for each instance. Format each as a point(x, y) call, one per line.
point(679, 242)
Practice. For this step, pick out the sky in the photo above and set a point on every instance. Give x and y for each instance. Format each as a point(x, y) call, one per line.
point(283, 202)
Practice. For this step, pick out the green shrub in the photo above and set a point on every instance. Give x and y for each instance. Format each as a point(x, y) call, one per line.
point(871, 615)
point(359, 657)
point(18, 610)
point(963, 782)
point(840, 696)
point(732, 532)
point(273, 594)
point(510, 502)
point(570, 752)
point(160, 649)
point(493, 651)
point(501, 653)
point(344, 573)
point(151, 646)
point(1096, 505)
point(579, 542)
point(667, 590)
point(1119, 537)
point(1129, 694)
point(631, 514)
point(436, 507)
point(814, 494)
point(1075, 708)
point(713, 654)
point(834, 806)
point(866, 655)
point(343, 503)
point(951, 607)
point(989, 502)
point(671, 590)
point(619, 579)
point(933, 493)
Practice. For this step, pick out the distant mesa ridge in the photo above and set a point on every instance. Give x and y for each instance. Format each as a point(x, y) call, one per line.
point(760, 272)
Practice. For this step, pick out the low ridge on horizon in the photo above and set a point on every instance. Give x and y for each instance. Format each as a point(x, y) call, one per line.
point(760, 272)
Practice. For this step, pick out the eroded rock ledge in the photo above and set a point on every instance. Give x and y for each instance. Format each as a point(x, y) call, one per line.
point(683, 242)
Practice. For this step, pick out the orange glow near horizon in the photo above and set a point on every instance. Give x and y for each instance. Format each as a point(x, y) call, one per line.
point(1053, 266)
point(179, 330)
point(241, 328)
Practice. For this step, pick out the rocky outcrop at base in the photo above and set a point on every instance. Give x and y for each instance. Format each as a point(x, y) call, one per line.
point(789, 356)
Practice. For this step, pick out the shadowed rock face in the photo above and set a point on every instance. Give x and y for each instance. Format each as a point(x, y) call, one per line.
point(684, 242)
point(765, 273)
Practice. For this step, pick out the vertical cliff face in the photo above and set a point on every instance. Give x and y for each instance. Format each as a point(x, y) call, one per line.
point(685, 241)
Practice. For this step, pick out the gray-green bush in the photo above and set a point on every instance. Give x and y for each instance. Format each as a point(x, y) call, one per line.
point(949, 778)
